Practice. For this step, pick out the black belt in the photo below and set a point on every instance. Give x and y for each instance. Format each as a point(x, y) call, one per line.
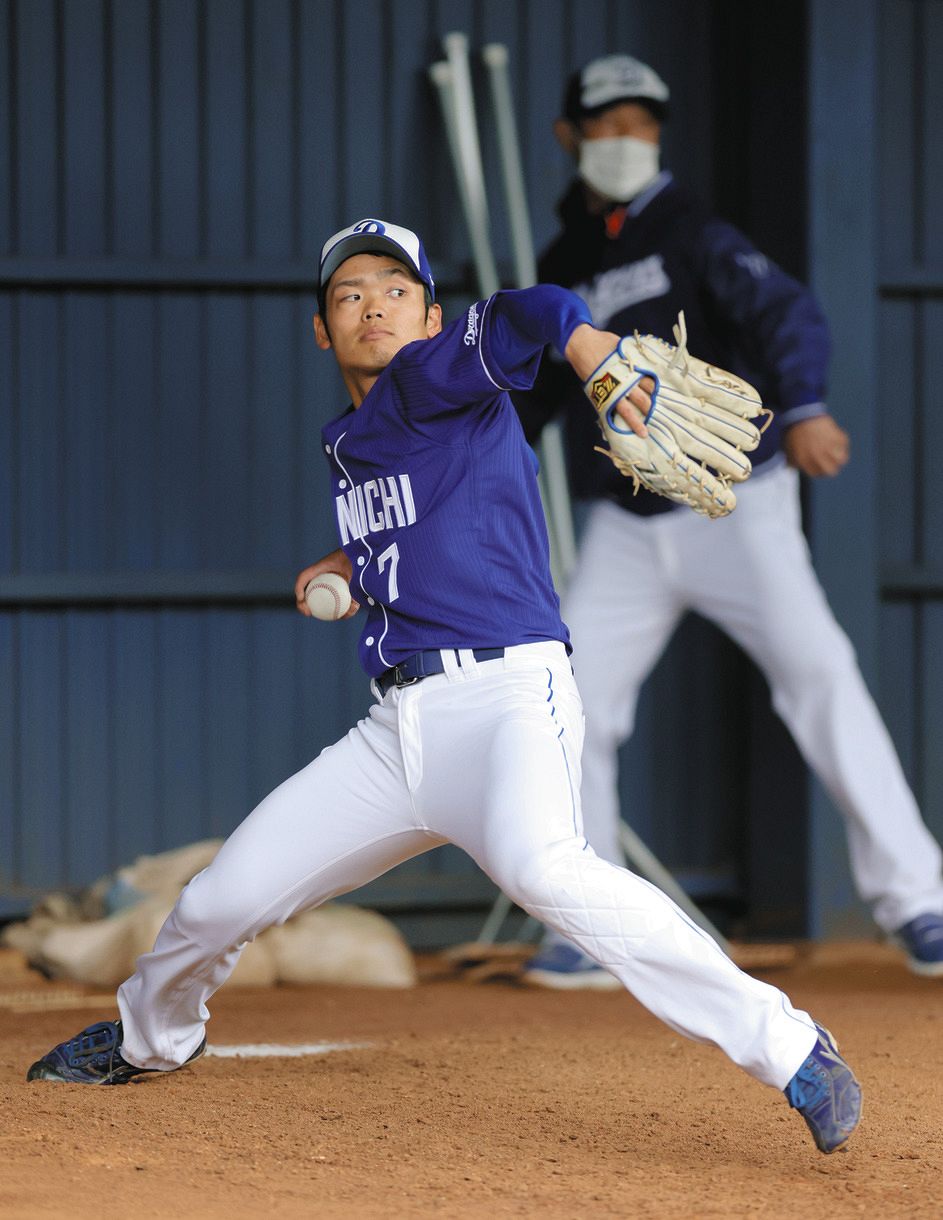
point(425, 664)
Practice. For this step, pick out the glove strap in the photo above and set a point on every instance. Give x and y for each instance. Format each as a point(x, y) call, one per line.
point(612, 380)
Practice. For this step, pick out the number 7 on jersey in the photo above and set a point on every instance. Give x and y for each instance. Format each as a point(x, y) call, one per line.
point(391, 556)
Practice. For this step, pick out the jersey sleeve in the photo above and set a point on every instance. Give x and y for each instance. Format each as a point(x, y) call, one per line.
point(778, 317)
point(555, 389)
point(495, 347)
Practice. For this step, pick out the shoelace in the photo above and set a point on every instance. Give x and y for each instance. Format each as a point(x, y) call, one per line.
point(91, 1043)
point(810, 1085)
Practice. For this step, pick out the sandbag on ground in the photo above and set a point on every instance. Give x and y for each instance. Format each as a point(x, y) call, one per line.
point(336, 943)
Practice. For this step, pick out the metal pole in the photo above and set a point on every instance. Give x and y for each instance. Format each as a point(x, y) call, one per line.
point(469, 158)
point(553, 482)
point(646, 863)
point(495, 57)
point(496, 916)
point(443, 78)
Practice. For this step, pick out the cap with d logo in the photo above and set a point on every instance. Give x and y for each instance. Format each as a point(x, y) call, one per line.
point(374, 237)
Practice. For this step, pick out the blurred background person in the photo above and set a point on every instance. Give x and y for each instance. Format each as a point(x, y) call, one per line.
point(639, 248)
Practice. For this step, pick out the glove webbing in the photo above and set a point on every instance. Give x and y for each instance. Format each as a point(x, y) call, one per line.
point(681, 358)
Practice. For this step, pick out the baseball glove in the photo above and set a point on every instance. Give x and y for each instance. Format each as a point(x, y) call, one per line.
point(700, 425)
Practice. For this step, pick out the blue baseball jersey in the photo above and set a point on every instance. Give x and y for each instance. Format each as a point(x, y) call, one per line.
point(435, 488)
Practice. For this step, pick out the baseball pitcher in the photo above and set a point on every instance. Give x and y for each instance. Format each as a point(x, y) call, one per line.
point(475, 734)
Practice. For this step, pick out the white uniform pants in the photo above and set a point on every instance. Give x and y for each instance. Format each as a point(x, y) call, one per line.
point(486, 756)
point(752, 575)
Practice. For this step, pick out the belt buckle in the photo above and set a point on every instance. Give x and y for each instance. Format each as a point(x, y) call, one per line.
point(400, 680)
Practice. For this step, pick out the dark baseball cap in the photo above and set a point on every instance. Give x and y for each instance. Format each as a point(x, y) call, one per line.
point(612, 79)
point(374, 237)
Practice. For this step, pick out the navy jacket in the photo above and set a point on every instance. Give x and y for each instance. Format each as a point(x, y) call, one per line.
point(669, 253)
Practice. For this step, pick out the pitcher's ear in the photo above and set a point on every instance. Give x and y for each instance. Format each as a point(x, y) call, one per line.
point(434, 320)
point(322, 335)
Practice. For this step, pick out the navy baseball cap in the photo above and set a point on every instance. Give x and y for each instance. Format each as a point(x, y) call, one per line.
point(612, 79)
point(374, 237)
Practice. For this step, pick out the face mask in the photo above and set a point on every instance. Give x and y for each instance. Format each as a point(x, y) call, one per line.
point(618, 168)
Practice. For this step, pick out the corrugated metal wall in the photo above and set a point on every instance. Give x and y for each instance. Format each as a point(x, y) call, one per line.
point(168, 169)
point(910, 424)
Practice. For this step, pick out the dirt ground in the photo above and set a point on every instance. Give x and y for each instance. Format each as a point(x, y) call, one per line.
point(475, 1100)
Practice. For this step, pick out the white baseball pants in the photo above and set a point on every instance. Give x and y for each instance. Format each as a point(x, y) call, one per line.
point(751, 574)
point(487, 756)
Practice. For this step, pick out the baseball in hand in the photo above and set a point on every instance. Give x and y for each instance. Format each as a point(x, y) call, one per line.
point(328, 596)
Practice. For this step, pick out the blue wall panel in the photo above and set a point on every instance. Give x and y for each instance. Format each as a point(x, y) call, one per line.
point(129, 394)
point(931, 243)
point(178, 444)
point(86, 356)
point(230, 713)
point(928, 342)
point(34, 116)
point(930, 712)
point(897, 433)
point(132, 728)
point(10, 731)
point(9, 439)
point(38, 411)
point(178, 152)
point(898, 129)
point(180, 721)
point(130, 187)
point(43, 799)
point(84, 99)
point(8, 60)
point(87, 774)
point(900, 678)
point(226, 116)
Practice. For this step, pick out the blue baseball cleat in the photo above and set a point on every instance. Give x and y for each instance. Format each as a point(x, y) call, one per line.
point(92, 1057)
point(562, 967)
point(826, 1094)
point(922, 941)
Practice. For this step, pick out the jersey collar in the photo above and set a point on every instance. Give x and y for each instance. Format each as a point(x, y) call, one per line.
point(655, 187)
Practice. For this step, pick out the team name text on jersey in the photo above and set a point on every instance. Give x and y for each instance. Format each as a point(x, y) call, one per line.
point(377, 505)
